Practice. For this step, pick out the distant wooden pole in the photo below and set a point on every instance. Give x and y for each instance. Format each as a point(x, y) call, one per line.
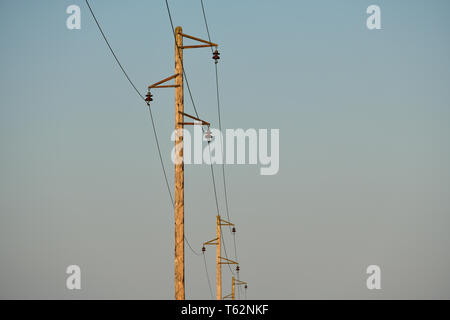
point(219, 265)
point(232, 288)
point(179, 168)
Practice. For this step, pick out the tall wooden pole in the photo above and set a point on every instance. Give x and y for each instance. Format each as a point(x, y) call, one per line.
point(179, 169)
point(232, 288)
point(219, 266)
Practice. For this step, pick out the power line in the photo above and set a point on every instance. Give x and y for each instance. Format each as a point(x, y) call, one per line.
point(213, 178)
point(207, 276)
point(149, 109)
point(196, 113)
point(217, 206)
point(238, 288)
point(206, 22)
point(223, 166)
point(154, 127)
point(218, 111)
point(160, 156)
point(112, 51)
point(165, 175)
point(220, 128)
point(182, 66)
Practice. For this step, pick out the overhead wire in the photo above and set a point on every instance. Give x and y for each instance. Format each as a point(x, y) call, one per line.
point(196, 113)
point(150, 112)
point(220, 128)
point(112, 51)
point(207, 277)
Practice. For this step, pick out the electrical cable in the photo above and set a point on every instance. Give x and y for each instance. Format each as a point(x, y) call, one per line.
point(196, 112)
point(220, 128)
point(150, 111)
point(207, 276)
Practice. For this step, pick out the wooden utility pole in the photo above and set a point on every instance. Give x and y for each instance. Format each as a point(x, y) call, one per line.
point(219, 265)
point(219, 259)
point(179, 168)
point(234, 282)
point(179, 162)
point(232, 288)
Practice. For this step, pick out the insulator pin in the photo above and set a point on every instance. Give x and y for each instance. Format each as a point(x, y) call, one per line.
point(148, 97)
point(208, 135)
point(216, 56)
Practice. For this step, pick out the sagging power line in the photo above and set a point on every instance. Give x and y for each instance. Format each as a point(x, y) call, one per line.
point(216, 57)
point(178, 201)
point(150, 111)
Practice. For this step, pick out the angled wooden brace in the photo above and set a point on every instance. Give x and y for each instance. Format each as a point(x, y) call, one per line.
point(225, 223)
point(203, 123)
point(157, 84)
point(228, 296)
point(206, 45)
point(234, 282)
point(227, 261)
point(148, 96)
point(239, 282)
point(211, 242)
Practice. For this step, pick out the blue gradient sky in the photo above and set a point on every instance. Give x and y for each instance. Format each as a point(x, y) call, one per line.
point(364, 119)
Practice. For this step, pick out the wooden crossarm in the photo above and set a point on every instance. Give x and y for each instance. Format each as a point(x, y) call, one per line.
point(168, 86)
point(155, 85)
point(196, 46)
point(203, 122)
point(211, 242)
point(227, 261)
point(225, 223)
point(210, 44)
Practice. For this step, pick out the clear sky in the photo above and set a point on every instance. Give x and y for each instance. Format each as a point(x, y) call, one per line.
point(364, 119)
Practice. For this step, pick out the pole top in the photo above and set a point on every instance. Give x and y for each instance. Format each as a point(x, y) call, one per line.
point(178, 29)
